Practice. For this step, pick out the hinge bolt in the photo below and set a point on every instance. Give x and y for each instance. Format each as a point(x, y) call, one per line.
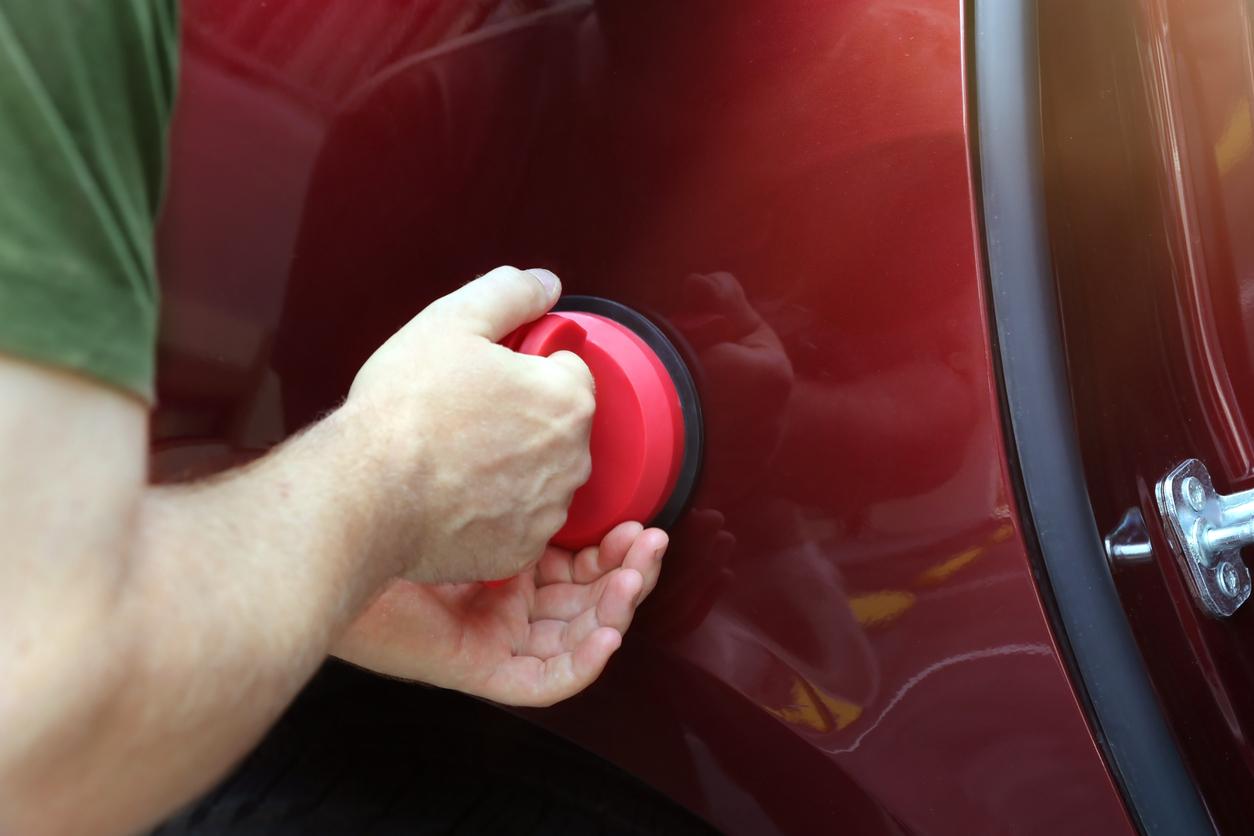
point(1195, 493)
point(1228, 580)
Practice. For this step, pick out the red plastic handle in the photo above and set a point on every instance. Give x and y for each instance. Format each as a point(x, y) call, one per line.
point(547, 335)
point(637, 442)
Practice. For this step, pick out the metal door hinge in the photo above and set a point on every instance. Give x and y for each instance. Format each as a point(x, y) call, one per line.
point(1207, 531)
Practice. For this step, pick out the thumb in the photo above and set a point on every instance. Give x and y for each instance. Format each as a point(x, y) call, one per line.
point(497, 302)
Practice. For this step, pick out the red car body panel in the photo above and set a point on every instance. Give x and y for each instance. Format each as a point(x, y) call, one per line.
point(847, 635)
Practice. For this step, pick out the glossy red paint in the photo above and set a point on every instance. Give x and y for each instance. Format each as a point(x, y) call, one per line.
point(1150, 149)
point(847, 636)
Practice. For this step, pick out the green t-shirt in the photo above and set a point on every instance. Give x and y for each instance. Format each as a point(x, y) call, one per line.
point(86, 89)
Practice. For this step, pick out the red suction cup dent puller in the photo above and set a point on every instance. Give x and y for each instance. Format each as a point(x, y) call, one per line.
point(637, 440)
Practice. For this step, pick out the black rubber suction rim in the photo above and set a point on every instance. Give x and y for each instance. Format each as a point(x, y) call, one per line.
point(689, 402)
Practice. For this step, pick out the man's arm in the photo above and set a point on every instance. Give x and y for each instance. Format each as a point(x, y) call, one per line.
point(150, 635)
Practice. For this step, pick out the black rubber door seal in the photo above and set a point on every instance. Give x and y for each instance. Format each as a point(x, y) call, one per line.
point(1089, 619)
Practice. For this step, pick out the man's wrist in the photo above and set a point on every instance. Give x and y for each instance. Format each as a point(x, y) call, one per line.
point(366, 494)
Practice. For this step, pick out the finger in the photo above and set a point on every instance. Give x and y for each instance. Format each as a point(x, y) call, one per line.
point(564, 601)
point(591, 562)
point(555, 566)
point(645, 557)
point(594, 561)
point(545, 638)
point(721, 295)
point(499, 301)
point(569, 673)
point(617, 603)
point(530, 681)
point(589, 658)
point(576, 366)
point(583, 566)
point(615, 608)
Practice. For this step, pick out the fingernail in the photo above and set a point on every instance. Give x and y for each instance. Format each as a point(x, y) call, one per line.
point(548, 280)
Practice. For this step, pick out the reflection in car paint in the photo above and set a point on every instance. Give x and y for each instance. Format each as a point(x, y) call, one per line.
point(813, 707)
point(936, 667)
point(873, 608)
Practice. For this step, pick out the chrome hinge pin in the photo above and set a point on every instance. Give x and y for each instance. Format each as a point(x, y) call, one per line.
point(1227, 537)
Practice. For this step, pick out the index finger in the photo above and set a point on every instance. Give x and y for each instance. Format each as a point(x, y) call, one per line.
point(499, 301)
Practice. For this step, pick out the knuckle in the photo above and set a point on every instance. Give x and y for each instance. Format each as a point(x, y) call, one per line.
point(547, 523)
point(504, 273)
point(582, 372)
point(585, 404)
point(572, 396)
point(518, 282)
point(437, 311)
point(584, 472)
point(559, 383)
point(574, 377)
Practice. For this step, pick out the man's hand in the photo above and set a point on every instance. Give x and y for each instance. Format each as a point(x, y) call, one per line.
point(478, 450)
point(149, 635)
point(540, 638)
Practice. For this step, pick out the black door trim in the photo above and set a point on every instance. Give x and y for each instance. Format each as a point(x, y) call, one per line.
point(1053, 498)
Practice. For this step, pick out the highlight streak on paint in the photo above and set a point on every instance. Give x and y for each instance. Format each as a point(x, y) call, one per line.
point(947, 662)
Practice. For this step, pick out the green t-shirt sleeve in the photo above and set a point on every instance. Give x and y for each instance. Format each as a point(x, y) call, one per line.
point(86, 90)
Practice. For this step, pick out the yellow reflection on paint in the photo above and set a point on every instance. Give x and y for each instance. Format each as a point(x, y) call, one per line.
point(1002, 534)
point(1236, 140)
point(807, 708)
point(803, 711)
point(941, 571)
point(880, 607)
point(842, 711)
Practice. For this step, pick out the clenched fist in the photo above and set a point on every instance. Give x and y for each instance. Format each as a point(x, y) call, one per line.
point(478, 450)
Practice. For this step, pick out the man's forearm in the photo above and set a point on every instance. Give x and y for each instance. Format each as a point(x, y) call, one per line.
point(227, 598)
point(271, 559)
point(269, 564)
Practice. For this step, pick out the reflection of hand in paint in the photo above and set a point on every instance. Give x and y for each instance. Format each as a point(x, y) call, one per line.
point(693, 584)
point(746, 380)
point(749, 397)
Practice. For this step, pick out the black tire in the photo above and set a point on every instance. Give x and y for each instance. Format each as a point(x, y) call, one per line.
point(356, 754)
